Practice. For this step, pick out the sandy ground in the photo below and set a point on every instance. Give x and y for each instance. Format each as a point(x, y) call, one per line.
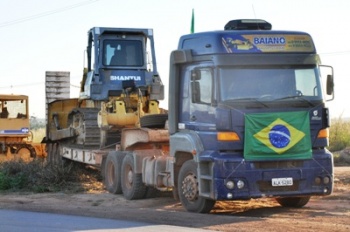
point(329, 213)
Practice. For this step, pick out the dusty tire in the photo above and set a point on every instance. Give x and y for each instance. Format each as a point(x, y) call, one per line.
point(132, 185)
point(295, 202)
point(112, 172)
point(154, 120)
point(189, 192)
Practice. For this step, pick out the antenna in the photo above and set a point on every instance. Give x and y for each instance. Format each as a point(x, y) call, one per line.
point(253, 11)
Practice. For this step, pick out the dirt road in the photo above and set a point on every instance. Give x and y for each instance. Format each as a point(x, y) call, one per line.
point(329, 213)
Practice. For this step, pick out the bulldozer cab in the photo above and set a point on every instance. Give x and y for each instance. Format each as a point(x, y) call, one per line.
point(115, 55)
point(14, 118)
point(15, 137)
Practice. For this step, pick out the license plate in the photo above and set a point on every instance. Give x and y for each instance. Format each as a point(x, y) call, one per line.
point(288, 181)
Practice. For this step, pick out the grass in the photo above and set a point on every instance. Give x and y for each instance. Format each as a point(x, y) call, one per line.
point(38, 135)
point(339, 135)
point(341, 158)
point(39, 176)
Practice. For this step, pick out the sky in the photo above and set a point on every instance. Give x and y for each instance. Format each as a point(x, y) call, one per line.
point(39, 35)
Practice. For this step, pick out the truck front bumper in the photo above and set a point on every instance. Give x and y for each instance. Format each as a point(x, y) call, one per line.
point(228, 177)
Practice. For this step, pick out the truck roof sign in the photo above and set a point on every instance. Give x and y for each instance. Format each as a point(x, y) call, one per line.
point(255, 43)
point(244, 41)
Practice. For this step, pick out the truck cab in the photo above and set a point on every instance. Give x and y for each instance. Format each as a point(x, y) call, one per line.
point(247, 116)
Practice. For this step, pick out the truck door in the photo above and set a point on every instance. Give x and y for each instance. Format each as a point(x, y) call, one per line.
point(197, 98)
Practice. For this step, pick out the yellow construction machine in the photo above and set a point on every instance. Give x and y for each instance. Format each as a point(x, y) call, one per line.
point(15, 136)
point(120, 89)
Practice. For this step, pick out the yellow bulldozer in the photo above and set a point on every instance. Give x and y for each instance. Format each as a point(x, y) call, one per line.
point(16, 139)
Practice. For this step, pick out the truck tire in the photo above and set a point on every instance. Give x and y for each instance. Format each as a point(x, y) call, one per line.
point(295, 202)
point(153, 120)
point(132, 185)
point(112, 172)
point(189, 192)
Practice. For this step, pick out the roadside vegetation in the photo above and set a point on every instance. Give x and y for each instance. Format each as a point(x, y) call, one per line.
point(38, 129)
point(339, 144)
point(40, 176)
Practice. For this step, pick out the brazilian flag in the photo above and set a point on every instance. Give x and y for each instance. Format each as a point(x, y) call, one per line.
point(283, 135)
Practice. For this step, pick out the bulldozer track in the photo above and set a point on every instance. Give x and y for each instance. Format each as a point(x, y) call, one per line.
point(84, 120)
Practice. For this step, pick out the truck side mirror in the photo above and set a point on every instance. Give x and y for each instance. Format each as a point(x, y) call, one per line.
point(195, 86)
point(330, 84)
point(195, 75)
point(196, 92)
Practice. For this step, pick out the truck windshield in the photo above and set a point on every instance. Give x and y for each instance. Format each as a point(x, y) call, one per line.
point(269, 84)
point(123, 53)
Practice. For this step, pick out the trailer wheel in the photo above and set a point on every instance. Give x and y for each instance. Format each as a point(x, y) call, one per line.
point(112, 172)
point(189, 192)
point(132, 185)
point(295, 202)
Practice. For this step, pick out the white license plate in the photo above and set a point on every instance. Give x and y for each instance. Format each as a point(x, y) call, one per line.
point(288, 181)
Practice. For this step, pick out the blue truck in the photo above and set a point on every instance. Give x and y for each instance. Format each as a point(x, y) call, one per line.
point(246, 119)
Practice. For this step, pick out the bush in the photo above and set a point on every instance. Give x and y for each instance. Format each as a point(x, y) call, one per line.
point(36, 123)
point(342, 158)
point(339, 135)
point(4, 182)
point(39, 176)
point(11, 177)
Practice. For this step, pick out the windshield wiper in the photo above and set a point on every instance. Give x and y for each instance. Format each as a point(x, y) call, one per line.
point(298, 97)
point(248, 99)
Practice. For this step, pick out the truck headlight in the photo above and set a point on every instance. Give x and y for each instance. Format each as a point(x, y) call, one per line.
point(230, 184)
point(240, 184)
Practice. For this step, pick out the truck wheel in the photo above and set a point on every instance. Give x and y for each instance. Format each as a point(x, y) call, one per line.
point(132, 185)
point(189, 192)
point(112, 172)
point(295, 202)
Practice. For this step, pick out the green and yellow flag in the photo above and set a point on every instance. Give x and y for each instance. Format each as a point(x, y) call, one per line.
point(192, 22)
point(277, 136)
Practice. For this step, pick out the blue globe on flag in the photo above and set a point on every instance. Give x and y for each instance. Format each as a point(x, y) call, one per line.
point(279, 136)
